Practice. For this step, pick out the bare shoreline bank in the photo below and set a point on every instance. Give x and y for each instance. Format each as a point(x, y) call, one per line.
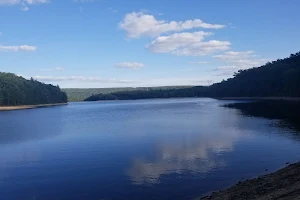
point(23, 107)
point(217, 98)
point(282, 184)
point(260, 98)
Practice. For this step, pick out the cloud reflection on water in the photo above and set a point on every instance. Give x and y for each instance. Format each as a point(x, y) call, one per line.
point(194, 154)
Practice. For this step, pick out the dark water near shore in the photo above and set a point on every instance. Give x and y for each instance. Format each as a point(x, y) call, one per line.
point(147, 149)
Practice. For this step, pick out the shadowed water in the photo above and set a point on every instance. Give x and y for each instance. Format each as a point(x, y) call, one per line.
point(146, 149)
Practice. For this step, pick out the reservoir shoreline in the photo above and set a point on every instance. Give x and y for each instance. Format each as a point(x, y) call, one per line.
point(282, 184)
point(217, 98)
point(260, 98)
point(23, 107)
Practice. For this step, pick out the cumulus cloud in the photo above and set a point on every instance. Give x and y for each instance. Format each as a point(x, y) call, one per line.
point(226, 70)
point(164, 44)
point(177, 81)
point(227, 67)
point(130, 65)
point(113, 10)
point(138, 24)
point(24, 8)
point(24, 3)
point(86, 81)
point(233, 55)
point(29, 2)
point(18, 48)
point(59, 69)
point(198, 62)
point(187, 44)
point(52, 69)
point(80, 78)
point(203, 48)
point(82, 1)
point(235, 61)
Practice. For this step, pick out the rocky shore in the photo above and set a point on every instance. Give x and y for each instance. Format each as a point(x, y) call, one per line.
point(281, 185)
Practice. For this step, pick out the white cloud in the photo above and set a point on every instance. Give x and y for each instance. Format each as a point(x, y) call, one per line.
point(30, 2)
point(130, 65)
point(83, 1)
point(235, 61)
point(112, 10)
point(24, 3)
point(18, 48)
point(203, 48)
point(198, 62)
point(59, 69)
point(226, 70)
point(243, 59)
point(24, 8)
point(204, 80)
point(138, 24)
point(227, 67)
point(233, 55)
point(94, 82)
point(80, 79)
point(165, 44)
point(52, 69)
point(9, 2)
point(187, 44)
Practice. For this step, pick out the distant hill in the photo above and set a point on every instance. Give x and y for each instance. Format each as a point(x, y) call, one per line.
point(199, 91)
point(80, 94)
point(279, 78)
point(16, 90)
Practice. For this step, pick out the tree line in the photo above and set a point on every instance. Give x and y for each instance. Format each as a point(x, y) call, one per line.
point(79, 94)
point(151, 93)
point(280, 78)
point(16, 90)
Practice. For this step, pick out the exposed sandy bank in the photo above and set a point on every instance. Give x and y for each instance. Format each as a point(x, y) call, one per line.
point(7, 108)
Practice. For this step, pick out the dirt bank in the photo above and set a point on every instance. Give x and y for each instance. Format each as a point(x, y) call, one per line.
point(283, 184)
point(7, 108)
point(261, 98)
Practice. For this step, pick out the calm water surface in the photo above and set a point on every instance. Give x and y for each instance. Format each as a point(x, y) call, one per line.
point(147, 149)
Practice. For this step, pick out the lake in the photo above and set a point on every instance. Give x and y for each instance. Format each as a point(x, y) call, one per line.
point(144, 149)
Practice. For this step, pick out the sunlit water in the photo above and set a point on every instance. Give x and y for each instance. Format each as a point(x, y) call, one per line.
point(146, 149)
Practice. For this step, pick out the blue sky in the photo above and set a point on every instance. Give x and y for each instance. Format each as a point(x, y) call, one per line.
point(118, 43)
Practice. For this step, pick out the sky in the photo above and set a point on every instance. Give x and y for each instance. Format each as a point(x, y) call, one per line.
point(131, 43)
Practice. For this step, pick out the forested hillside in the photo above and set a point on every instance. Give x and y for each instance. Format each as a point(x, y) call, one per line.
point(16, 90)
point(279, 78)
point(152, 93)
point(80, 94)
